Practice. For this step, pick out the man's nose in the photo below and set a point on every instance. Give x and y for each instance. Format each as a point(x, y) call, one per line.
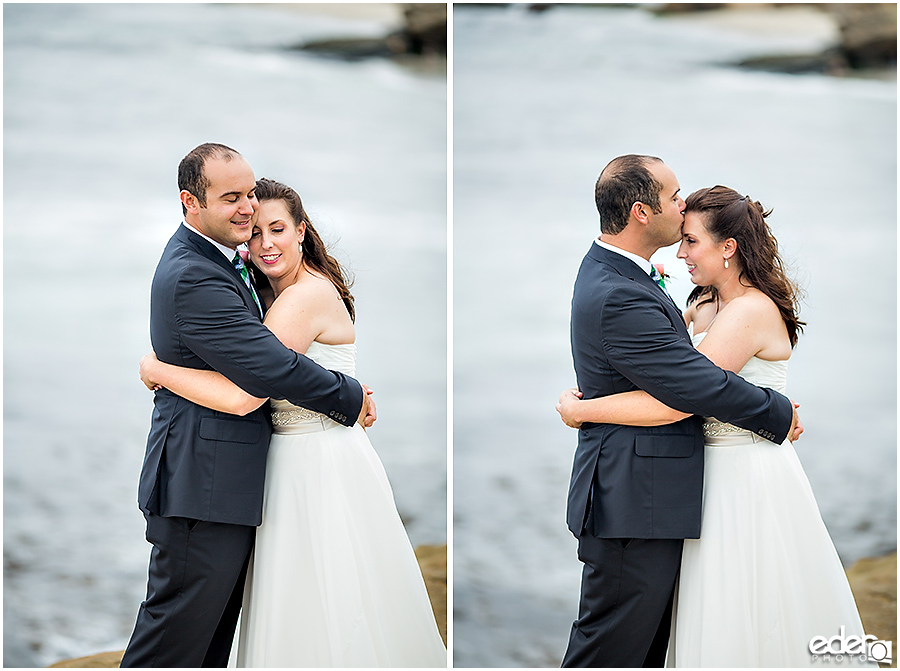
point(246, 206)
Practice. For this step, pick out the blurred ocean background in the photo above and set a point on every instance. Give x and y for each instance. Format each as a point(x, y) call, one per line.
point(541, 102)
point(101, 102)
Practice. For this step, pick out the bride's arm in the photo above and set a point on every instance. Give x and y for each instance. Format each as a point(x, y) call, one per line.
point(203, 387)
point(742, 329)
point(632, 408)
point(296, 319)
point(747, 326)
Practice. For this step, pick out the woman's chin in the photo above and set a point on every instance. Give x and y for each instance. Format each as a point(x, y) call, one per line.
point(263, 268)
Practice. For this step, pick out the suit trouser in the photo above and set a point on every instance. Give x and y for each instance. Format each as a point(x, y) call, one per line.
point(194, 593)
point(624, 616)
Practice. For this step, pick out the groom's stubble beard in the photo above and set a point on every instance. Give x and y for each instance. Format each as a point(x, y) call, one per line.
point(662, 236)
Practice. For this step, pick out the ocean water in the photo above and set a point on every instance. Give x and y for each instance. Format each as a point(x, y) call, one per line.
point(101, 101)
point(541, 102)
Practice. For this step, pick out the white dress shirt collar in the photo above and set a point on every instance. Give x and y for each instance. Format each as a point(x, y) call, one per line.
point(641, 262)
point(227, 251)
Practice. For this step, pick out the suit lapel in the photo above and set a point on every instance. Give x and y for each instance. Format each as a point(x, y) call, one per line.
point(207, 250)
point(203, 247)
point(629, 269)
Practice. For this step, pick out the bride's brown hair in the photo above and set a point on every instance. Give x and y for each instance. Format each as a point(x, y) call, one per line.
point(315, 254)
point(727, 214)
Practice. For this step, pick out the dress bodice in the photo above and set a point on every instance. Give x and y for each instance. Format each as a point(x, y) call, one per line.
point(289, 418)
point(762, 373)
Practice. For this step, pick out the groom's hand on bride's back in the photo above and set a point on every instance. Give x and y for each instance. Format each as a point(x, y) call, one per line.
point(796, 424)
point(367, 415)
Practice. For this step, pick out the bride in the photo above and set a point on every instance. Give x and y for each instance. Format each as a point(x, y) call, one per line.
point(764, 578)
point(333, 581)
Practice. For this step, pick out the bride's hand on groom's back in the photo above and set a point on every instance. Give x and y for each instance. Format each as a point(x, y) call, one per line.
point(147, 362)
point(568, 401)
point(367, 414)
point(796, 424)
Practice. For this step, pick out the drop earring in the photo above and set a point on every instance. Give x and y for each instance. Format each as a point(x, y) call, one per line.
point(726, 263)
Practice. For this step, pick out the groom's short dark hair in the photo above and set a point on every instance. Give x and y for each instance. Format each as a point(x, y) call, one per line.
point(190, 170)
point(626, 180)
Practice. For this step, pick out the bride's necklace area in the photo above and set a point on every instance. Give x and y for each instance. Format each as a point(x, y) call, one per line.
point(295, 277)
point(721, 303)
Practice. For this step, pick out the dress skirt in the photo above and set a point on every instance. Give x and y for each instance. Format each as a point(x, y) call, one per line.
point(333, 580)
point(764, 578)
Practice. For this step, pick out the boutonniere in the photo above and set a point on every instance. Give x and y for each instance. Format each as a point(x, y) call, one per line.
point(663, 275)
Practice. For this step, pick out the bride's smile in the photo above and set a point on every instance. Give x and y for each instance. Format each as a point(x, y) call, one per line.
point(703, 256)
point(275, 243)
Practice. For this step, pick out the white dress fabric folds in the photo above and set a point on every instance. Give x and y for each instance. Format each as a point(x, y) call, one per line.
point(333, 581)
point(764, 577)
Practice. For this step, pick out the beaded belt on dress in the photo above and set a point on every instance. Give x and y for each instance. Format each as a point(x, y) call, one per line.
point(713, 428)
point(301, 420)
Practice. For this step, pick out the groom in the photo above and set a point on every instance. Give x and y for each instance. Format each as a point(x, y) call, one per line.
point(635, 492)
point(201, 487)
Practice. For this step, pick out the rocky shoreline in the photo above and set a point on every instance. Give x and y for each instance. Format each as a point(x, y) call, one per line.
point(873, 581)
point(874, 585)
point(862, 36)
point(864, 42)
point(866, 45)
point(422, 35)
point(432, 562)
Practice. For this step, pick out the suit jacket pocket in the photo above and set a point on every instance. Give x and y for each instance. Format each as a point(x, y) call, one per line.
point(663, 445)
point(230, 430)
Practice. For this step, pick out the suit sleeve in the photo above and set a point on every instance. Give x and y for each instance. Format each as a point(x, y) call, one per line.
point(216, 325)
point(645, 347)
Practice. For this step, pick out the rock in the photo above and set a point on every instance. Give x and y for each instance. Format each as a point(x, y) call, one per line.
point(353, 48)
point(866, 40)
point(679, 7)
point(424, 34)
point(828, 62)
point(432, 562)
point(874, 585)
point(426, 28)
point(868, 32)
point(105, 660)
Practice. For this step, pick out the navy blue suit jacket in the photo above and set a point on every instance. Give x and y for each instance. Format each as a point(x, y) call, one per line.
point(627, 334)
point(210, 465)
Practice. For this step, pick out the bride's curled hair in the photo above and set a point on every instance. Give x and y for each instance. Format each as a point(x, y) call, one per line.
point(315, 254)
point(727, 214)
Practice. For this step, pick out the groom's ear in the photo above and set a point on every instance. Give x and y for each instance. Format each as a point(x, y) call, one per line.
point(639, 212)
point(189, 201)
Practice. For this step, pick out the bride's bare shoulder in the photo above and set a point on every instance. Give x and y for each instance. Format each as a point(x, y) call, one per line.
point(310, 309)
point(310, 290)
point(314, 298)
point(756, 306)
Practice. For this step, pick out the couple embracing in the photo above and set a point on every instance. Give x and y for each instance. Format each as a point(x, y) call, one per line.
point(263, 496)
point(701, 539)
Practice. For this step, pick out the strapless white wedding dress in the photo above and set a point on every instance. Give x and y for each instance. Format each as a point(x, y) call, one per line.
point(764, 577)
point(333, 581)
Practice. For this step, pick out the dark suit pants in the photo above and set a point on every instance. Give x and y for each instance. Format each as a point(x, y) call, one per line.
point(194, 593)
point(626, 602)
